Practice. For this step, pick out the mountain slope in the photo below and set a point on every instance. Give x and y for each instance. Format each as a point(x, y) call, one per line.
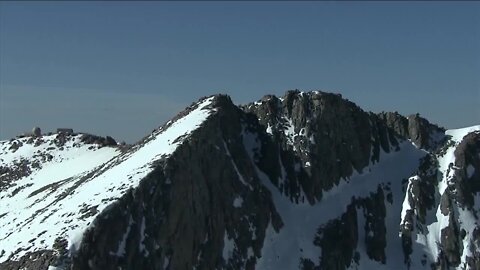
point(60, 198)
point(305, 181)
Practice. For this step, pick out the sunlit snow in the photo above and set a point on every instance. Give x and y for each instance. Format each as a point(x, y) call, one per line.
point(79, 179)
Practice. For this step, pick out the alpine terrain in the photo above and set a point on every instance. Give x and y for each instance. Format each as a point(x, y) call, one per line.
point(304, 181)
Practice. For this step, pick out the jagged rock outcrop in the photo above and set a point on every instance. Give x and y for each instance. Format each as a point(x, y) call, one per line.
point(330, 137)
point(421, 132)
point(93, 139)
point(308, 126)
point(467, 170)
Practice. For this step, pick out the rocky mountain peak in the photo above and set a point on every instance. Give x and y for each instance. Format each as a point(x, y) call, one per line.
point(308, 180)
point(315, 124)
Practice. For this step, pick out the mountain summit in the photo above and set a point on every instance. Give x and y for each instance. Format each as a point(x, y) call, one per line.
point(304, 181)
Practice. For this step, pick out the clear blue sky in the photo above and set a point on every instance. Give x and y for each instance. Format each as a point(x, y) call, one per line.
point(123, 68)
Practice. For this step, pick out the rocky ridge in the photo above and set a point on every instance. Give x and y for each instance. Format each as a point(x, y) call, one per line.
point(305, 181)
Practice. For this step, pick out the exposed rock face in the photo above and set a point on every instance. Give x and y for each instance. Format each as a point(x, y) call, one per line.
point(34, 260)
point(309, 126)
point(183, 190)
point(329, 137)
point(473, 261)
point(93, 139)
point(467, 170)
point(338, 240)
point(218, 200)
point(455, 200)
point(375, 230)
point(421, 132)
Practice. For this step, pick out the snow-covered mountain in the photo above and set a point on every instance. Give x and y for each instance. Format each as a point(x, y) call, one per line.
point(305, 181)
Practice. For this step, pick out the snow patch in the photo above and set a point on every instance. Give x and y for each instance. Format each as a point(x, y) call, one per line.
point(406, 204)
point(470, 171)
point(240, 177)
point(166, 262)
point(269, 129)
point(237, 202)
point(228, 247)
point(123, 243)
point(142, 239)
